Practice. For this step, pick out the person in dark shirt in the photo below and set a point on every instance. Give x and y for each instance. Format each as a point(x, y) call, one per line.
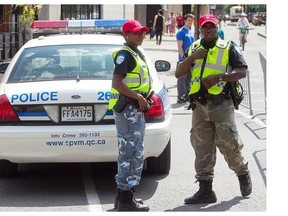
point(214, 63)
point(158, 25)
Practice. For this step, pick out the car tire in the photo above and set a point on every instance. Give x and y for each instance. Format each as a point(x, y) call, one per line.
point(7, 168)
point(162, 163)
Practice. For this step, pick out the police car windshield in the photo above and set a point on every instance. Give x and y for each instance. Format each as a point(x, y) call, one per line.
point(64, 62)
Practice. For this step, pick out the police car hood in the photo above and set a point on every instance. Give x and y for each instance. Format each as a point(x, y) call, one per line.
point(59, 92)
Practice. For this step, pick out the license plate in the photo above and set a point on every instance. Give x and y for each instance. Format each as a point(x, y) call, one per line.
point(76, 113)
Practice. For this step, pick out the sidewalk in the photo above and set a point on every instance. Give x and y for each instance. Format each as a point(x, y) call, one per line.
point(151, 44)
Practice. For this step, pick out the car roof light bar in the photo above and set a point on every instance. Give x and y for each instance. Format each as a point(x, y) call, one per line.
point(72, 26)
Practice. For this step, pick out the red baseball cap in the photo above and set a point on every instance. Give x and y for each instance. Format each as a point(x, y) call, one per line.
point(207, 18)
point(133, 26)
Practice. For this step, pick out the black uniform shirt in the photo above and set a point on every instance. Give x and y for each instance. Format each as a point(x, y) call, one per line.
point(236, 58)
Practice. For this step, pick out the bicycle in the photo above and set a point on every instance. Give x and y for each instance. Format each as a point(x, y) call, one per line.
point(244, 32)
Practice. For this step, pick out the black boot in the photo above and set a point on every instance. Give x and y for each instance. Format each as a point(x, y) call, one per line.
point(118, 195)
point(127, 202)
point(245, 184)
point(205, 194)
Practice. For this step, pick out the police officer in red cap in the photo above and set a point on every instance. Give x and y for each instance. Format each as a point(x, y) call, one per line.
point(214, 64)
point(129, 117)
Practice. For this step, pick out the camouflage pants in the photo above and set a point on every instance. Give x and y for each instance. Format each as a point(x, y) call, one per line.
point(130, 125)
point(214, 126)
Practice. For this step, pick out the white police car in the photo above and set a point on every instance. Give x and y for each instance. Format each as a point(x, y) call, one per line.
point(54, 105)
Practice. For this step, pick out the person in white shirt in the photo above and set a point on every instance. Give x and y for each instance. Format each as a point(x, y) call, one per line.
point(243, 23)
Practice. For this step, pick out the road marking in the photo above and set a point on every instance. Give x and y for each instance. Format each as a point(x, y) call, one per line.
point(90, 190)
point(256, 120)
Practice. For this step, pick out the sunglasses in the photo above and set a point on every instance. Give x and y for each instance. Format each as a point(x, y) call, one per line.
point(206, 27)
point(139, 33)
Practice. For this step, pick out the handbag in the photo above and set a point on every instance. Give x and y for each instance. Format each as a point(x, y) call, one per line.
point(152, 33)
point(243, 30)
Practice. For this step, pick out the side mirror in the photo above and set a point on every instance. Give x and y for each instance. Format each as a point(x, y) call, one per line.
point(162, 65)
point(3, 67)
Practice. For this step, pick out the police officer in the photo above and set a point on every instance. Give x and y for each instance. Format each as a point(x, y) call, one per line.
point(130, 84)
point(213, 63)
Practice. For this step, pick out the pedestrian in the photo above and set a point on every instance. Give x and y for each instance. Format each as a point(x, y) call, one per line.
point(185, 38)
point(220, 31)
point(158, 25)
point(213, 120)
point(179, 20)
point(172, 25)
point(220, 21)
point(243, 25)
point(128, 103)
point(224, 19)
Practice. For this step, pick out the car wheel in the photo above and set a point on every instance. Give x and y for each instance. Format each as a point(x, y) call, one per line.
point(7, 168)
point(162, 163)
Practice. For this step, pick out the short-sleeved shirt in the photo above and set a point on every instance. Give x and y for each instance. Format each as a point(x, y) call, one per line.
point(243, 23)
point(124, 61)
point(185, 35)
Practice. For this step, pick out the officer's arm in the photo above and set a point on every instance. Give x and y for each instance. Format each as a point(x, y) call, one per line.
point(184, 66)
point(238, 64)
point(154, 22)
point(235, 74)
point(180, 49)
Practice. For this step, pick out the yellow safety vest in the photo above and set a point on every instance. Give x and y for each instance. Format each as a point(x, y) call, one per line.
point(138, 79)
point(217, 62)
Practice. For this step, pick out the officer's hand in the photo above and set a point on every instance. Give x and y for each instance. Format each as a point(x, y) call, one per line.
point(209, 81)
point(143, 104)
point(200, 54)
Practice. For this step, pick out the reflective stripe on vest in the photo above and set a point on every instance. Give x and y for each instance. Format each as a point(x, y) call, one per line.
point(138, 79)
point(216, 63)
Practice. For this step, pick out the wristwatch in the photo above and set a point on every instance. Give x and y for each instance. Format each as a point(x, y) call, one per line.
point(220, 77)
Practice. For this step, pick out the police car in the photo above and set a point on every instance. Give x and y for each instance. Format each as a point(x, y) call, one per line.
point(54, 102)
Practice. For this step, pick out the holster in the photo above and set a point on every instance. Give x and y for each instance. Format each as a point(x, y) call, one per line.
point(236, 96)
point(200, 96)
point(121, 103)
point(192, 104)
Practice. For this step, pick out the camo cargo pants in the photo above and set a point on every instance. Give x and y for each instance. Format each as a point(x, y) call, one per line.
point(130, 125)
point(214, 126)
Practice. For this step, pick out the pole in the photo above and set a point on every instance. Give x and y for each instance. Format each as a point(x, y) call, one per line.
point(197, 16)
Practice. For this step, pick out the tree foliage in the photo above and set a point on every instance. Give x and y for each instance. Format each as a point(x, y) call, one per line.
point(28, 12)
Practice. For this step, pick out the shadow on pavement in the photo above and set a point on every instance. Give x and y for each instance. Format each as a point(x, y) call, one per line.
point(222, 206)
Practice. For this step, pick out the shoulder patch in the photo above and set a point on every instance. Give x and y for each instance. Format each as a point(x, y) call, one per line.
point(120, 58)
